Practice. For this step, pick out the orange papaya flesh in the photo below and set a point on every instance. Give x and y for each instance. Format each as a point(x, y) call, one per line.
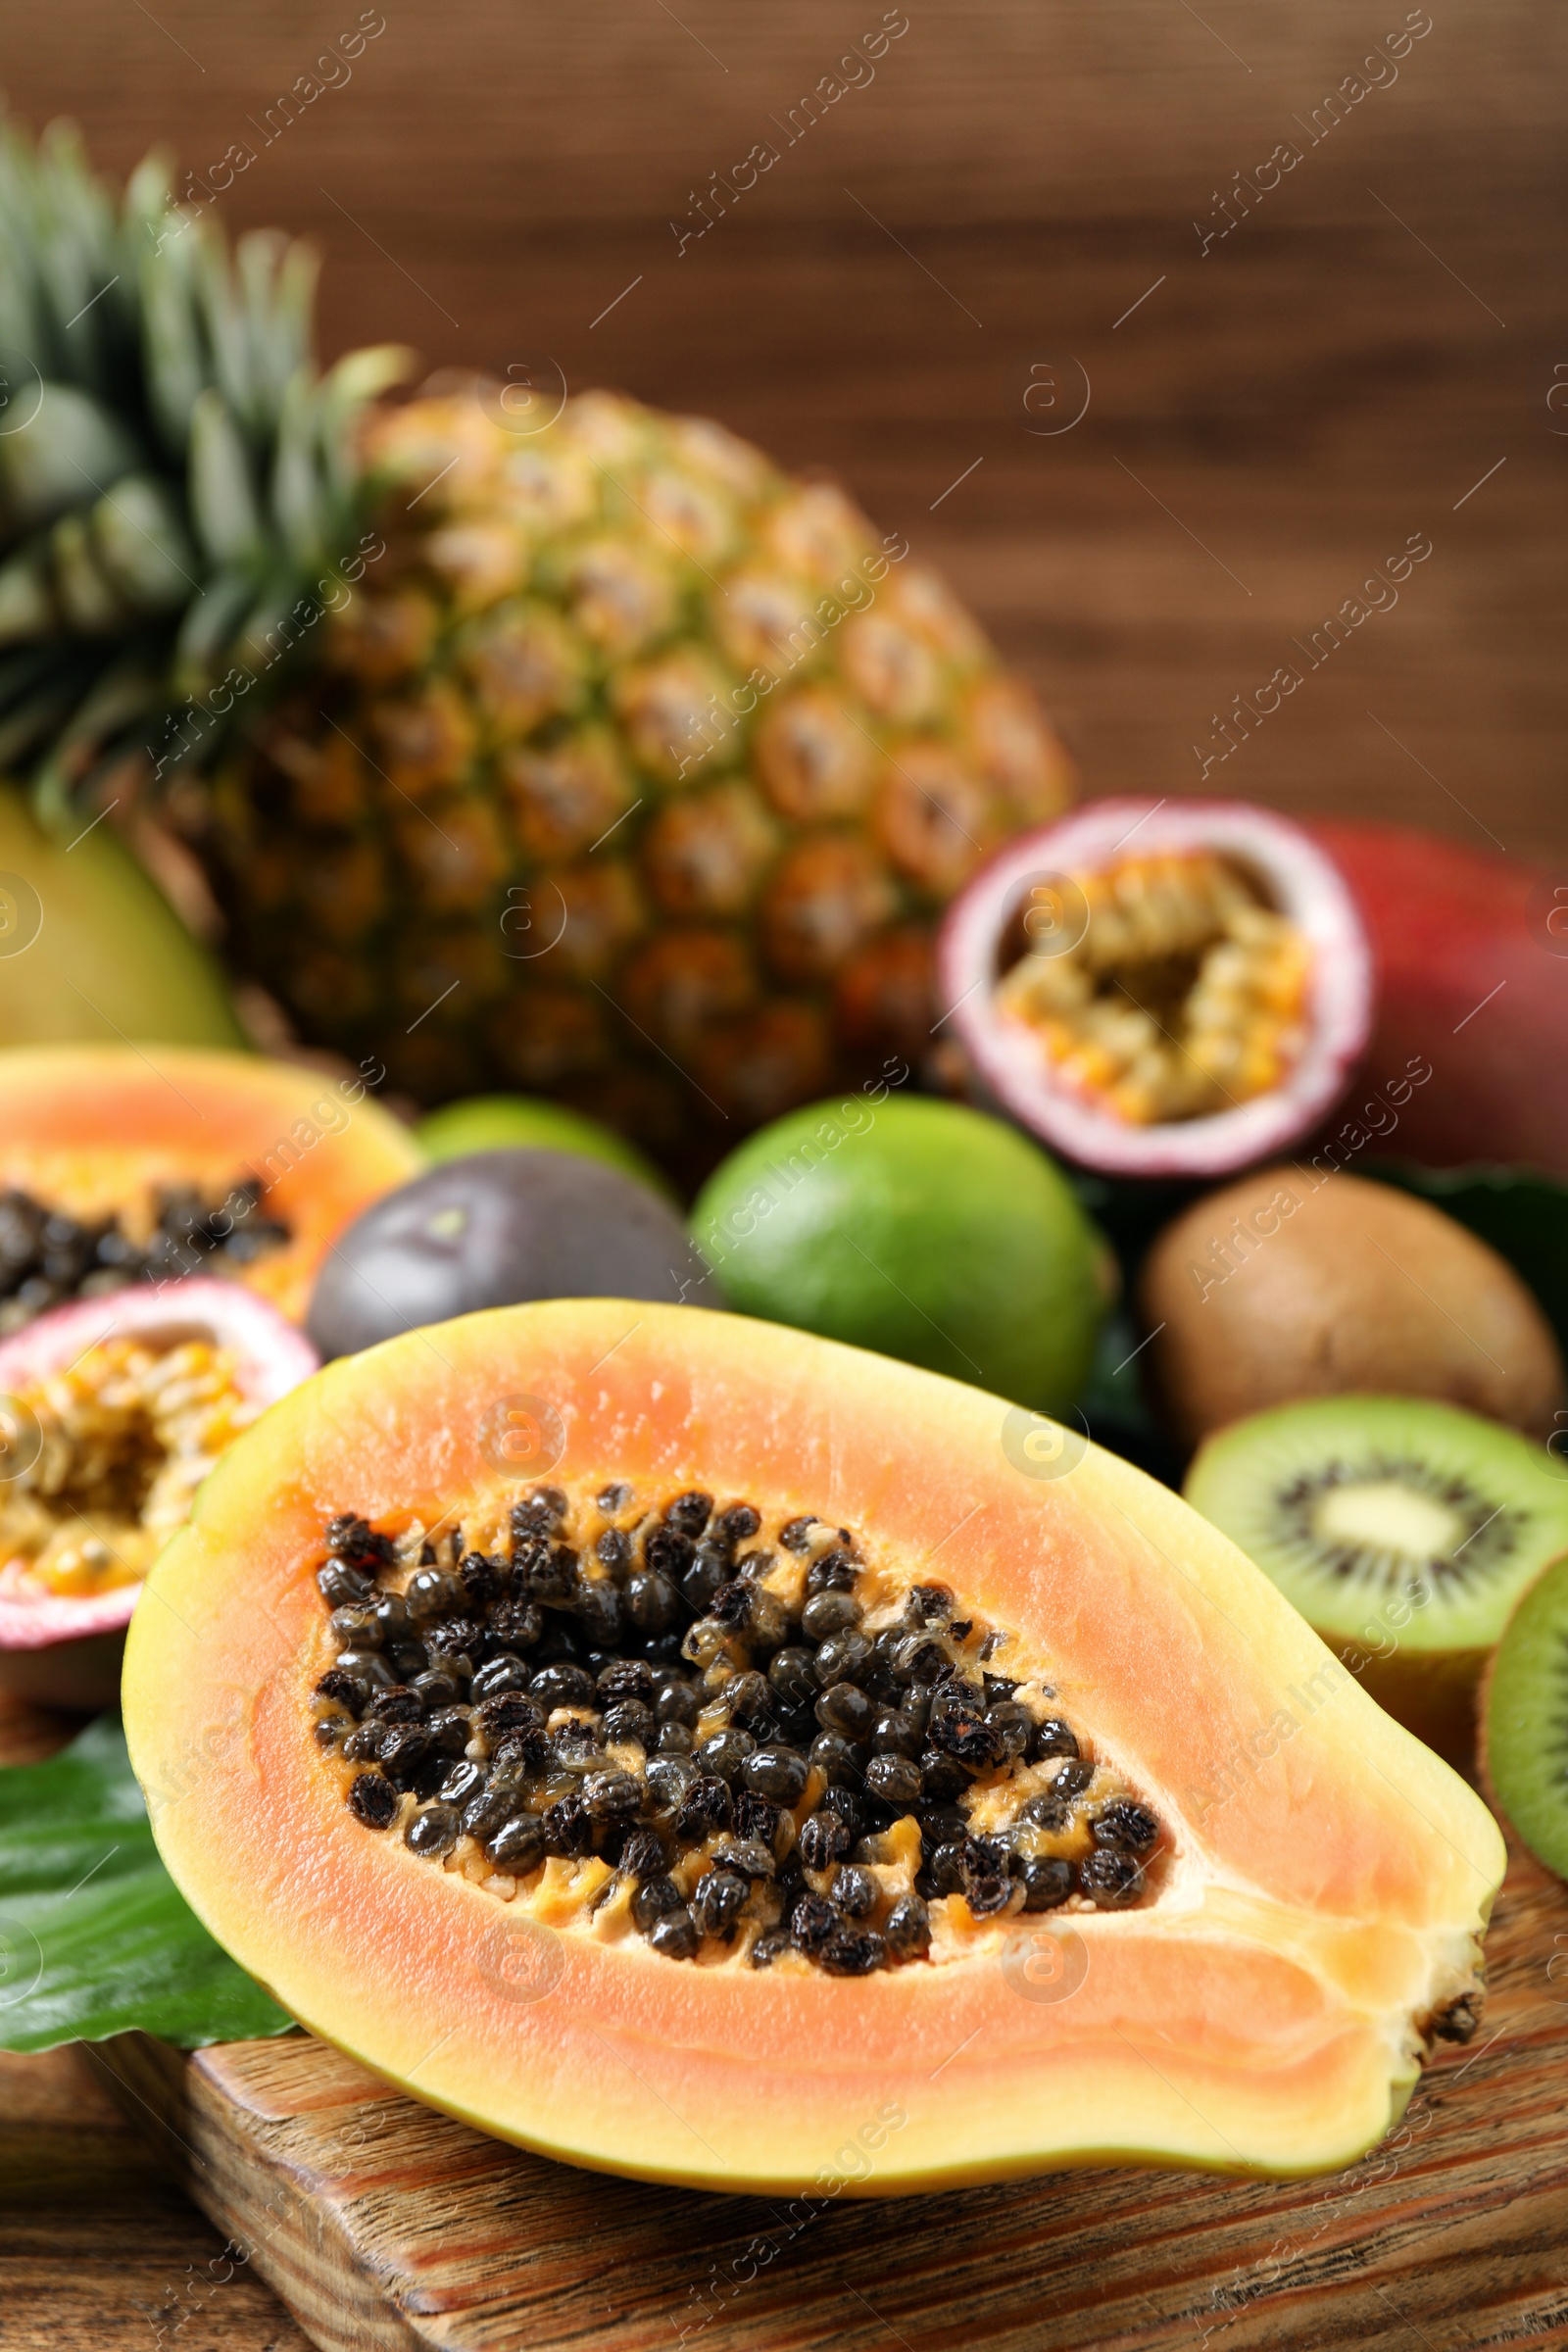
point(106, 1132)
point(1312, 1920)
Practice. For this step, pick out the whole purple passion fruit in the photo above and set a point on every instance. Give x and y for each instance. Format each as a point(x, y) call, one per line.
point(496, 1229)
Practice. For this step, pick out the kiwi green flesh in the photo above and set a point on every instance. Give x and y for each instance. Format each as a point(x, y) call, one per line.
point(1394, 1524)
point(1526, 1719)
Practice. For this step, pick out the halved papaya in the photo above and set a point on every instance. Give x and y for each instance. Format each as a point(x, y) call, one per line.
point(118, 1161)
point(703, 1751)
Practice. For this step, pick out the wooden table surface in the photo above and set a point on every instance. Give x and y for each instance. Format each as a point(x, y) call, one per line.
point(934, 275)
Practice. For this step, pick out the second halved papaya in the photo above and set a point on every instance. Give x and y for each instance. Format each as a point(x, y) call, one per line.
point(686, 1747)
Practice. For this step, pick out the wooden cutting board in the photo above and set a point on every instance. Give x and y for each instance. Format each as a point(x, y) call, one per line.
point(382, 2224)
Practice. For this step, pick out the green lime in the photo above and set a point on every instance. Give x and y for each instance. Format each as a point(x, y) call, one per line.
point(513, 1122)
point(919, 1229)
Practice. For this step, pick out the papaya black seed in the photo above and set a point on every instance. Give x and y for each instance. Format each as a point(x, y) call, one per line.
point(837, 1760)
point(513, 1624)
point(852, 1954)
point(506, 1711)
point(854, 1890)
point(614, 1549)
point(670, 1780)
point(717, 1901)
point(626, 1677)
point(777, 1772)
point(797, 1536)
point(1052, 1737)
point(1073, 1776)
point(437, 1687)
point(678, 1703)
point(1125, 1826)
point(1014, 1726)
point(844, 1708)
point(654, 1899)
point(823, 1840)
point(831, 1612)
point(343, 1587)
point(667, 1552)
point(689, 1513)
point(373, 1800)
point(813, 1922)
point(987, 1896)
point(483, 1578)
point(676, 1740)
point(462, 1784)
point(614, 1498)
point(517, 1845)
point(354, 1628)
point(675, 1935)
point(601, 1614)
point(833, 1572)
point(769, 1948)
point(895, 1733)
point(433, 1832)
point(757, 1821)
point(346, 1688)
point(896, 1780)
point(403, 1705)
point(725, 1753)
point(629, 1719)
point(651, 1601)
point(791, 1673)
point(744, 1856)
point(907, 1930)
point(561, 1686)
point(610, 1797)
point(1111, 1881)
point(705, 1806)
point(643, 1855)
point(1045, 1812)
point(843, 1659)
point(567, 1828)
point(749, 1699)
point(948, 1875)
point(500, 1674)
point(1047, 1880)
point(737, 1524)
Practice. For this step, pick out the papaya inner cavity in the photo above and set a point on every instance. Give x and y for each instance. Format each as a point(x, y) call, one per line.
point(73, 1246)
point(733, 1732)
point(1184, 995)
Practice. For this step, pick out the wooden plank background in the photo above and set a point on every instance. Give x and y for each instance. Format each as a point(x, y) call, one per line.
point(1009, 204)
point(1278, 415)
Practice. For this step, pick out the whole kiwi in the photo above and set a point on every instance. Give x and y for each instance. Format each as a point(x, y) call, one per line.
point(1291, 1283)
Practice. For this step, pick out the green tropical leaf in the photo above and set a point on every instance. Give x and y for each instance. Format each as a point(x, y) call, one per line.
point(95, 1938)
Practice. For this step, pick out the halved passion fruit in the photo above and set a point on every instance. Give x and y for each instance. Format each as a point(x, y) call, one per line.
point(672, 1741)
point(112, 1412)
point(128, 1163)
point(1160, 987)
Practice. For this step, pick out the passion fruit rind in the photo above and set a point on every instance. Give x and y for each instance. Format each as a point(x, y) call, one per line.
point(728, 1731)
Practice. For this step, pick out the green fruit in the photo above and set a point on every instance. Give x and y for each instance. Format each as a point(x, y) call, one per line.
point(1403, 1530)
point(89, 949)
point(509, 1122)
point(919, 1229)
point(1524, 1720)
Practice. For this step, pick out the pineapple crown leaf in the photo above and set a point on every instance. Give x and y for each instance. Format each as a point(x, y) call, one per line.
point(174, 466)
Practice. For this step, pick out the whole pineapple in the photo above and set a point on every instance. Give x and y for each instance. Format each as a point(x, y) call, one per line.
point(616, 764)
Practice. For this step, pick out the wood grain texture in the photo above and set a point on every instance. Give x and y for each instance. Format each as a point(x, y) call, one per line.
point(384, 2225)
point(496, 184)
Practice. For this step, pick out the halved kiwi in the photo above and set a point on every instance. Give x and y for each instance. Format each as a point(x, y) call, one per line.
point(1524, 1720)
point(1402, 1530)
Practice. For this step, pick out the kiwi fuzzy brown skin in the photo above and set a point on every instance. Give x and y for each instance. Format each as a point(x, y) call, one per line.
point(1338, 1286)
